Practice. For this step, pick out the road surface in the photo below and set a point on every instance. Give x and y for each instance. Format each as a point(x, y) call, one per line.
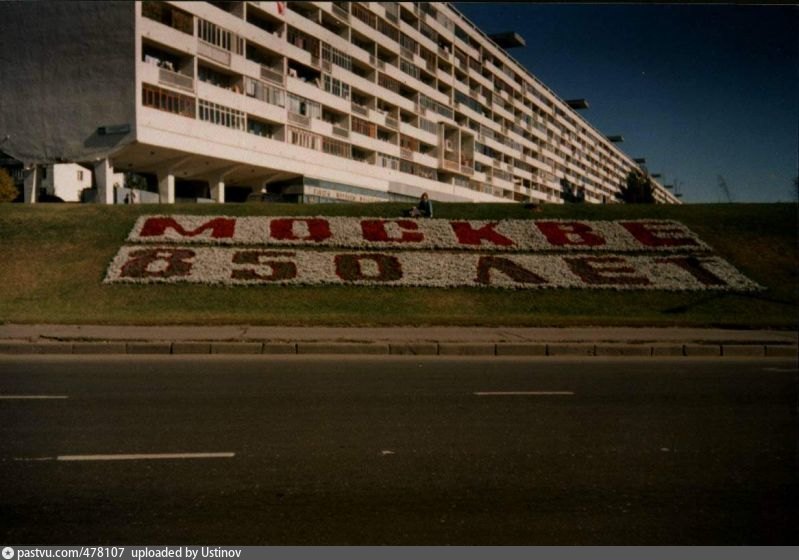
point(337, 450)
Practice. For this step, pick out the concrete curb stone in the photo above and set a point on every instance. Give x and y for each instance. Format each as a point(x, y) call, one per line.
point(743, 350)
point(623, 350)
point(191, 347)
point(99, 348)
point(521, 349)
point(53, 348)
point(413, 349)
point(782, 351)
point(697, 350)
point(278, 348)
point(149, 348)
point(236, 348)
point(466, 349)
point(571, 350)
point(664, 350)
point(341, 348)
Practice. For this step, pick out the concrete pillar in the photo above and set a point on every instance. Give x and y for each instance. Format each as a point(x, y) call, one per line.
point(166, 187)
point(31, 185)
point(218, 190)
point(104, 176)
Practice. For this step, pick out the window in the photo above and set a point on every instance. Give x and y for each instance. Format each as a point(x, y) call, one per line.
point(428, 126)
point(364, 127)
point(336, 87)
point(168, 101)
point(336, 56)
point(303, 138)
point(388, 82)
point(305, 107)
point(221, 115)
point(168, 15)
point(409, 68)
point(335, 147)
point(219, 37)
point(80, 175)
point(384, 160)
point(264, 92)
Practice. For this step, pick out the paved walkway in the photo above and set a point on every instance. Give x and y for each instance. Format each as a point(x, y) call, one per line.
point(585, 341)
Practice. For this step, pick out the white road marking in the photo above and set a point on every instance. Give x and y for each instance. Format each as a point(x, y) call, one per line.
point(131, 457)
point(513, 393)
point(31, 397)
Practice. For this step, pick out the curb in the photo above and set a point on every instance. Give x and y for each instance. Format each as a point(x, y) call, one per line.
point(500, 349)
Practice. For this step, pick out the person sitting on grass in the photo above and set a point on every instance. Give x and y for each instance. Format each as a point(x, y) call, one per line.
point(424, 209)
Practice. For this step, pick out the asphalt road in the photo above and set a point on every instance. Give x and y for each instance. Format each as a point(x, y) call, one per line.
point(318, 450)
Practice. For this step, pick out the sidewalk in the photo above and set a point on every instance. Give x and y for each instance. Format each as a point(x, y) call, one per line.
point(484, 341)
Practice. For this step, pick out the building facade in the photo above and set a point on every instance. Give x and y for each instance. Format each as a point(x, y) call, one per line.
point(298, 101)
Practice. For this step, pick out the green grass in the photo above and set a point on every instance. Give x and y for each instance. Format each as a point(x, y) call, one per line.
point(53, 259)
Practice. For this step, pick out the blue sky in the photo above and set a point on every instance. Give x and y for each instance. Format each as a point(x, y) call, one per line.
point(698, 90)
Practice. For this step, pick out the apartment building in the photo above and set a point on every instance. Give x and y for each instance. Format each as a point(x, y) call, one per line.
point(298, 101)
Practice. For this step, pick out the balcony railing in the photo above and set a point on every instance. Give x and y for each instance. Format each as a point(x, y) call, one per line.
point(175, 79)
point(213, 52)
point(341, 131)
point(271, 75)
point(360, 109)
point(301, 120)
point(340, 13)
point(391, 122)
point(450, 165)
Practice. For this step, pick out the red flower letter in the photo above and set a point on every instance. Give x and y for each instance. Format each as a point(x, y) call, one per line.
point(283, 229)
point(515, 272)
point(348, 267)
point(592, 271)
point(467, 235)
point(693, 265)
point(220, 227)
point(659, 234)
point(375, 230)
point(278, 270)
point(570, 233)
point(157, 263)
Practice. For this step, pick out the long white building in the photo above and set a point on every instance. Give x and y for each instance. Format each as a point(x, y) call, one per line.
point(306, 101)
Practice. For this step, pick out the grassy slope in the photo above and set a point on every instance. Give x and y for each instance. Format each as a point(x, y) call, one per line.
point(53, 258)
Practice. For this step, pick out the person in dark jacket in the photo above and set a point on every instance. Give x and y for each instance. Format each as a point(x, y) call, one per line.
point(424, 209)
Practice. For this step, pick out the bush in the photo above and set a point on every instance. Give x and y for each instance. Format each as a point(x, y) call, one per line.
point(8, 190)
point(638, 190)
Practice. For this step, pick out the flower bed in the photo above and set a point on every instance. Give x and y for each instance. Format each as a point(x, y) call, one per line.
point(520, 254)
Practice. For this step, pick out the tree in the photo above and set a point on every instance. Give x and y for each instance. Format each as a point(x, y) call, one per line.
point(637, 190)
point(8, 190)
point(570, 193)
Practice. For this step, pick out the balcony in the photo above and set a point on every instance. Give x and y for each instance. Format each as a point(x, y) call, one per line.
point(300, 120)
point(450, 165)
point(175, 79)
point(272, 75)
point(360, 110)
point(340, 13)
point(213, 52)
point(392, 123)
